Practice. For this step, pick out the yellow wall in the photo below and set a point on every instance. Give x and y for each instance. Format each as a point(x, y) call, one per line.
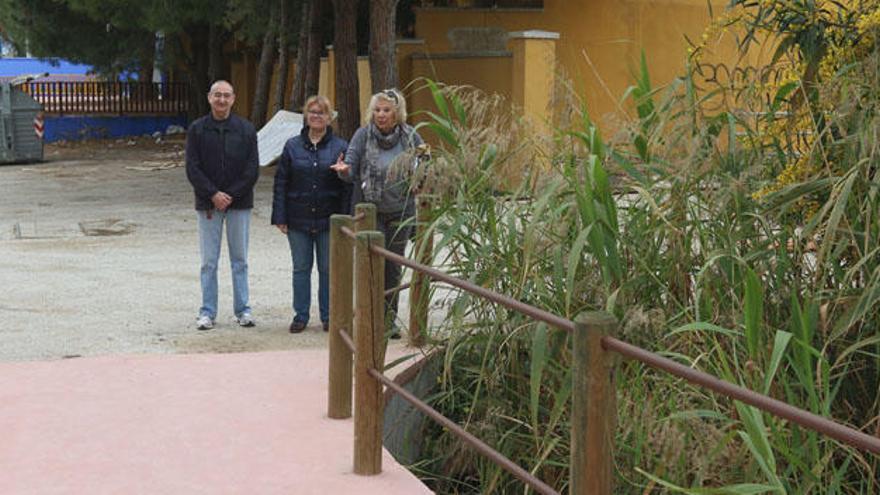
point(327, 78)
point(599, 47)
point(610, 33)
point(479, 71)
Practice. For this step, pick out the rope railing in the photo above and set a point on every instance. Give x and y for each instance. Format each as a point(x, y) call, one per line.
point(837, 431)
point(478, 445)
point(346, 338)
point(352, 234)
point(348, 232)
point(593, 393)
point(506, 301)
point(399, 288)
point(773, 406)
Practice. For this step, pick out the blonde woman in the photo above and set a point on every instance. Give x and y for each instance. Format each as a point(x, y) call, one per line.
point(372, 151)
point(306, 193)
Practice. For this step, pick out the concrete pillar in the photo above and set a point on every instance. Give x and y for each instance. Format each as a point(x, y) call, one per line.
point(534, 72)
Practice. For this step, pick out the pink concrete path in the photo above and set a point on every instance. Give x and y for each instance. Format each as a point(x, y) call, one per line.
point(180, 424)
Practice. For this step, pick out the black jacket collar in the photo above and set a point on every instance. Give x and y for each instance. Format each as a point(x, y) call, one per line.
point(211, 123)
point(307, 141)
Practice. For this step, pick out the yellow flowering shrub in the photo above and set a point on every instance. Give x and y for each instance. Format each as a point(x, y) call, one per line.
point(797, 48)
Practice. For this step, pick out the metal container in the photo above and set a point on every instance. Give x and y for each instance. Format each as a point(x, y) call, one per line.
point(21, 125)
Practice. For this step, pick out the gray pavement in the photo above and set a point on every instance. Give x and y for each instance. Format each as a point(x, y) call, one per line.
point(99, 256)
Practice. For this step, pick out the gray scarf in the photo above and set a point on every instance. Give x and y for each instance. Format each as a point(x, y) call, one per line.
point(372, 174)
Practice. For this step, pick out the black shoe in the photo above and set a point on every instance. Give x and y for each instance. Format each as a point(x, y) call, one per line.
point(297, 326)
point(395, 334)
point(326, 325)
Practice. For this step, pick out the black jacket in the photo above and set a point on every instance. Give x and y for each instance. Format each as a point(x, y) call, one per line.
point(222, 156)
point(306, 191)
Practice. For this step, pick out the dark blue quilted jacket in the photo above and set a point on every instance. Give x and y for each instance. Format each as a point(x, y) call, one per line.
point(306, 191)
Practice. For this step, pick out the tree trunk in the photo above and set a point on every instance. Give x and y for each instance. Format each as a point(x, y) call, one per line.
point(383, 59)
point(145, 54)
point(145, 68)
point(217, 36)
point(264, 76)
point(345, 46)
point(283, 59)
point(197, 59)
point(298, 93)
point(313, 58)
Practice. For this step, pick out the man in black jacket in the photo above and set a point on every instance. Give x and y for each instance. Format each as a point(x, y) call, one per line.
point(222, 165)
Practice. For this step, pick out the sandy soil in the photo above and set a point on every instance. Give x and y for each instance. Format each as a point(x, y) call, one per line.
point(99, 255)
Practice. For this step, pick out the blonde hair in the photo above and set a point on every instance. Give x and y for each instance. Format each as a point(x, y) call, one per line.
point(392, 96)
point(321, 101)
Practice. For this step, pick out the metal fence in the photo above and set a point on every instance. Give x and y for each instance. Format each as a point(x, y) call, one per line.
point(121, 98)
point(355, 243)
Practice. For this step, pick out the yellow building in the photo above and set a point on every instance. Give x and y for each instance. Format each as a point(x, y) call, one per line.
point(598, 47)
point(519, 51)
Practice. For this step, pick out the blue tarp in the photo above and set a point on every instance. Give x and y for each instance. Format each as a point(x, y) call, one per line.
point(20, 66)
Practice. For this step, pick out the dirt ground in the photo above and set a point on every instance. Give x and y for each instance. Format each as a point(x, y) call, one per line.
point(99, 255)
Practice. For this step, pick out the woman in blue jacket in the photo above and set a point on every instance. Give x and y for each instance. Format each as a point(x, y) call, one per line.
point(306, 193)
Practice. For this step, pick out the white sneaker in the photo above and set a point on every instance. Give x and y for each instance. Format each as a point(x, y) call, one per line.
point(246, 319)
point(204, 322)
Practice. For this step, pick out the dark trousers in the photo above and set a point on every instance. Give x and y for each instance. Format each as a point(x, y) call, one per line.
point(396, 236)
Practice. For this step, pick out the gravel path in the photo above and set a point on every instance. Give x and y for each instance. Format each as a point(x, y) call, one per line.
point(99, 255)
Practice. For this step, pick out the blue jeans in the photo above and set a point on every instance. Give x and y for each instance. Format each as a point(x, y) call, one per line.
point(210, 238)
point(303, 246)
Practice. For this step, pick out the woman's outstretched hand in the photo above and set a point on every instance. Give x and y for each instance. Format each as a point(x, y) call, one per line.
point(340, 167)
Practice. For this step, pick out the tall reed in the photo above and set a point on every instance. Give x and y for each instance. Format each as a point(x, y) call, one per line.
point(664, 226)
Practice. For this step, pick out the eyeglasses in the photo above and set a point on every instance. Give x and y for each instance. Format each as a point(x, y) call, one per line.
point(316, 113)
point(391, 94)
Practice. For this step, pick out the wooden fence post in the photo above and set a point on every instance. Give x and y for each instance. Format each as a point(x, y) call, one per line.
point(369, 353)
point(594, 408)
point(341, 252)
point(369, 220)
point(419, 291)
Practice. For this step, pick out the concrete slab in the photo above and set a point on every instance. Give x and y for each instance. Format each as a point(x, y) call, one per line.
point(202, 423)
